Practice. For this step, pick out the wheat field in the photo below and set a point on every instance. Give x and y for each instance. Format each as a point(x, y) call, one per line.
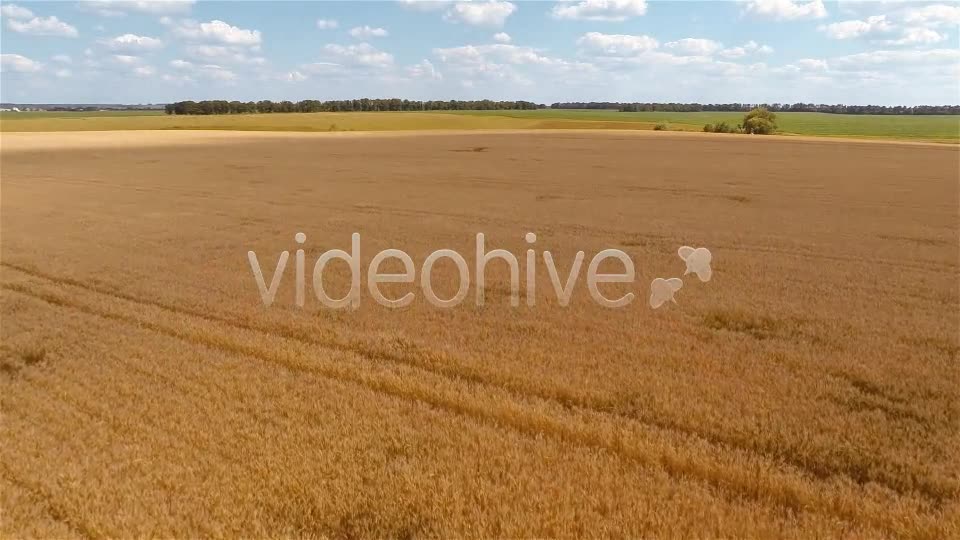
point(808, 390)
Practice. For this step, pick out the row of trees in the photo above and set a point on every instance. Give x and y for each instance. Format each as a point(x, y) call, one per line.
point(776, 107)
point(744, 107)
point(347, 105)
point(395, 104)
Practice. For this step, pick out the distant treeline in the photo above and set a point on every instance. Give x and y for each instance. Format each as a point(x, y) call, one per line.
point(81, 107)
point(776, 107)
point(358, 105)
point(92, 108)
point(347, 105)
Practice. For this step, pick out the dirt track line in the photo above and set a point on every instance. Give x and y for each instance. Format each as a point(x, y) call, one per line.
point(760, 484)
point(442, 365)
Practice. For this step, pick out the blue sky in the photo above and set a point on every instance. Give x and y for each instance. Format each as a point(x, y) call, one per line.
point(850, 52)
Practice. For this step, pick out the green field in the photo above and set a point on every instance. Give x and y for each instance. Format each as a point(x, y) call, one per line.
point(924, 128)
point(932, 127)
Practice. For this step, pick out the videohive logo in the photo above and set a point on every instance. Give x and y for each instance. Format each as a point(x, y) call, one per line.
point(662, 290)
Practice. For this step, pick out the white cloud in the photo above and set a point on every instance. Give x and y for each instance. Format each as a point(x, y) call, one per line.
point(205, 71)
point(915, 26)
point(424, 70)
point(486, 13)
point(63, 73)
point(424, 5)
point(62, 58)
point(690, 64)
point(216, 42)
point(18, 64)
point(786, 10)
point(501, 63)
point(600, 10)
point(499, 52)
point(812, 64)
point(177, 79)
point(365, 32)
point(294, 76)
point(217, 31)
point(218, 73)
point(476, 13)
point(126, 59)
point(40, 26)
point(121, 64)
point(322, 68)
point(223, 53)
point(15, 12)
point(856, 28)
point(327, 24)
point(693, 46)
point(119, 8)
point(805, 68)
point(748, 48)
point(144, 71)
point(132, 43)
point(917, 36)
point(868, 71)
point(360, 55)
point(681, 51)
point(933, 16)
point(887, 58)
point(616, 44)
point(502, 37)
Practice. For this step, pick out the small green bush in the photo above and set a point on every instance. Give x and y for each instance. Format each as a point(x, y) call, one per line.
point(661, 126)
point(721, 127)
point(760, 121)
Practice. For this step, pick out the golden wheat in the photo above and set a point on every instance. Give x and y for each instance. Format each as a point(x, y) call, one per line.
point(808, 390)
